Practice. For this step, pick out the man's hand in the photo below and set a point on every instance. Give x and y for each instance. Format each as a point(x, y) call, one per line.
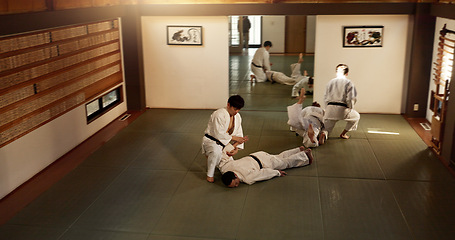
point(282, 173)
point(240, 140)
point(233, 152)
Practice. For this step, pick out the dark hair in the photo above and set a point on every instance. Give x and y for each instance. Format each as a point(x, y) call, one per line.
point(227, 178)
point(267, 43)
point(346, 69)
point(316, 104)
point(236, 101)
point(311, 80)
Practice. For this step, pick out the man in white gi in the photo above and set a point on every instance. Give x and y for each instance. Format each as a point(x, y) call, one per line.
point(261, 166)
point(225, 125)
point(340, 97)
point(307, 122)
point(261, 62)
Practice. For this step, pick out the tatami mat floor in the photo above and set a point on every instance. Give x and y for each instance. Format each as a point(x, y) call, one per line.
point(148, 183)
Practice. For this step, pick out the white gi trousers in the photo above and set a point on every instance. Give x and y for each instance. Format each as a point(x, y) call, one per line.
point(214, 152)
point(280, 77)
point(334, 113)
point(287, 159)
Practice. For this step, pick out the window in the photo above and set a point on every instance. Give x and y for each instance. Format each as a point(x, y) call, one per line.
point(255, 31)
point(103, 104)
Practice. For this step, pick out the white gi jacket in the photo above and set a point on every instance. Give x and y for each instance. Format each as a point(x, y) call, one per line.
point(217, 128)
point(249, 171)
point(341, 90)
point(261, 64)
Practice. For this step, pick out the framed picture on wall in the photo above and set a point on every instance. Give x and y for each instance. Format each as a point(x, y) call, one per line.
point(363, 36)
point(184, 35)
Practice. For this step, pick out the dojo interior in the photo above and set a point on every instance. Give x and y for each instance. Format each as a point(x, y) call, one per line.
point(137, 172)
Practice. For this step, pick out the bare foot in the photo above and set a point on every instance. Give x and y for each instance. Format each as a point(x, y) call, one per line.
point(210, 179)
point(252, 78)
point(322, 138)
point(344, 136)
point(310, 155)
point(300, 58)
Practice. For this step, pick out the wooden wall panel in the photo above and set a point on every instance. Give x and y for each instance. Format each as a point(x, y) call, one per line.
point(69, 4)
point(18, 6)
point(295, 34)
point(46, 73)
point(3, 6)
point(104, 3)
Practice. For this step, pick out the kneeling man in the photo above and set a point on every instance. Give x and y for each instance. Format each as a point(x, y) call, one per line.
point(261, 166)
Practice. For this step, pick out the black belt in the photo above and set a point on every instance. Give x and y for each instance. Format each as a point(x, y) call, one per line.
point(214, 139)
point(338, 104)
point(321, 122)
point(256, 65)
point(257, 160)
point(271, 78)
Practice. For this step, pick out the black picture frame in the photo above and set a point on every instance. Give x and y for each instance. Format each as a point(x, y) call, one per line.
point(184, 35)
point(363, 36)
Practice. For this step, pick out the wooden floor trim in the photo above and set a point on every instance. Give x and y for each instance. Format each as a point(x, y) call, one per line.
point(426, 137)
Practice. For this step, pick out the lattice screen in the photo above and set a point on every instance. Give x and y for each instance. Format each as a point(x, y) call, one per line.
point(443, 67)
point(47, 73)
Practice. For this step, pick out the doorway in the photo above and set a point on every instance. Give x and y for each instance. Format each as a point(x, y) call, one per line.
point(254, 33)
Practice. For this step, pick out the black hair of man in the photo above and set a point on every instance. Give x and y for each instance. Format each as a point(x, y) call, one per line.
point(227, 178)
point(236, 101)
point(267, 44)
point(316, 104)
point(345, 70)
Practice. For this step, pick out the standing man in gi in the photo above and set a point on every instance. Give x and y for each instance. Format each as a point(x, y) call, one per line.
point(261, 62)
point(340, 97)
point(260, 166)
point(225, 125)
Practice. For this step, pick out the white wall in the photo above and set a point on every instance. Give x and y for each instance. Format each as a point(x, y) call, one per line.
point(28, 155)
point(273, 29)
point(310, 34)
point(439, 25)
point(191, 77)
point(378, 73)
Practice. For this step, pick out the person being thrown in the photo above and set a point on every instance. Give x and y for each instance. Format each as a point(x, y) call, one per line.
point(297, 79)
point(260, 166)
point(307, 122)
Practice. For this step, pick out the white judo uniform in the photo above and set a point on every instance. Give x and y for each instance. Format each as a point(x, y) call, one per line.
point(297, 79)
point(340, 98)
point(300, 120)
point(218, 128)
point(249, 171)
point(260, 64)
